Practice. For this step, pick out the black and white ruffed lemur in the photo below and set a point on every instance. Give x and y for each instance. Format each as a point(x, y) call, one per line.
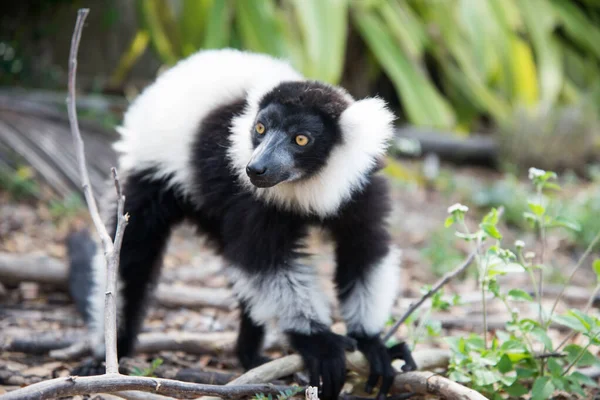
point(254, 154)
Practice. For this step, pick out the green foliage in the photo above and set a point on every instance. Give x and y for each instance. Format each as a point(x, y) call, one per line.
point(66, 207)
point(20, 184)
point(284, 395)
point(441, 252)
point(507, 363)
point(484, 58)
point(157, 362)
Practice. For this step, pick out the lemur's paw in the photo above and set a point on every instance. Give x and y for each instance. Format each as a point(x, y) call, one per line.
point(325, 359)
point(380, 362)
point(401, 351)
point(89, 367)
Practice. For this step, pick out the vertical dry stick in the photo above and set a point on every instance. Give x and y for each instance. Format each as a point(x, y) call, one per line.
point(111, 250)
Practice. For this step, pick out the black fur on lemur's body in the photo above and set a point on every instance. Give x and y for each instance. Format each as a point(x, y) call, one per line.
point(253, 154)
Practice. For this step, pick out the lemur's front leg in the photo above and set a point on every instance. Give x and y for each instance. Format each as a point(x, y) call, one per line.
point(367, 279)
point(263, 250)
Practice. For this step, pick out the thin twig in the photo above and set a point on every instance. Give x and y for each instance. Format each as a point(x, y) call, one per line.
point(585, 254)
point(445, 279)
point(111, 383)
point(585, 311)
point(111, 250)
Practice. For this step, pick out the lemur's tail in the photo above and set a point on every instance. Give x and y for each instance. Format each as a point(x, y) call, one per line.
point(81, 249)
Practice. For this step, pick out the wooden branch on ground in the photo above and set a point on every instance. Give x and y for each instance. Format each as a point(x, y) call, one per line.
point(17, 268)
point(111, 383)
point(418, 382)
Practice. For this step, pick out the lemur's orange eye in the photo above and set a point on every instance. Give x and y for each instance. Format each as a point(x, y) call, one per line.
point(301, 140)
point(260, 128)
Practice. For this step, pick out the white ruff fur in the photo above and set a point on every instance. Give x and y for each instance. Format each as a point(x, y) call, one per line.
point(160, 125)
point(368, 305)
point(291, 296)
point(366, 127)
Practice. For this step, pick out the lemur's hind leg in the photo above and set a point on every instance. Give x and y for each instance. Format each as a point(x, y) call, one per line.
point(154, 209)
point(250, 340)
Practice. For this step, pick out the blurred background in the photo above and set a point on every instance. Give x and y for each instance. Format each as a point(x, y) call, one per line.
point(483, 90)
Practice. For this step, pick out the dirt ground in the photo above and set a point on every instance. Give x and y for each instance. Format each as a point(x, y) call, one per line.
point(31, 310)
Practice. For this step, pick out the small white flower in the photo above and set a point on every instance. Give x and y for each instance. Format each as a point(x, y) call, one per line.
point(457, 207)
point(519, 244)
point(529, 255)
point(536, 173)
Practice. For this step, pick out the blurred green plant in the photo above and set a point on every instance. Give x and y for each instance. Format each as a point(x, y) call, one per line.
point(454, 64)
point(522, 359)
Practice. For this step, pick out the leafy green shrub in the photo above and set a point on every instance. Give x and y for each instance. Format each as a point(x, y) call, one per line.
point(522, 359)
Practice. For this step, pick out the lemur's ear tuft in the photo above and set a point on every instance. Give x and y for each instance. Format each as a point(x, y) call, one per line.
point(368, 122)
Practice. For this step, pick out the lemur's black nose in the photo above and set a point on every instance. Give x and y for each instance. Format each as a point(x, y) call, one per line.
point(255, 170)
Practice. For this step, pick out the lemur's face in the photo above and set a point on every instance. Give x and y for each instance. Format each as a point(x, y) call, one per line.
point(291, 143)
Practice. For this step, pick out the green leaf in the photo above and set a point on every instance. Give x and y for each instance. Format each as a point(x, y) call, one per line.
point(570, 321)
point(587, 359)
point(542, 336)
point(323, 26)
point(423, 103)
point(492, 231)
point(217, 32)
point(519, 295)
point(257, 23)
point(563, 222)
point(554, 367)
point(449, 221)
point(485, 377)
point(596, 267)
point(542, 388)
point(540, 23)
point(581, 379)
point(537, 209)
point(516, 390)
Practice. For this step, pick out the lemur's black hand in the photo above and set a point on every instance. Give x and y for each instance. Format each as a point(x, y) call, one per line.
point(324, 358)
point(380, 362)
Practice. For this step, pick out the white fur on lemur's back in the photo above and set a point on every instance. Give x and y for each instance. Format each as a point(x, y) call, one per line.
point(160, 125)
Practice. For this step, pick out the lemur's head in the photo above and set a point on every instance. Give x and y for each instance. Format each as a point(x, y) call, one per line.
point(294, 132)
point(307, 146)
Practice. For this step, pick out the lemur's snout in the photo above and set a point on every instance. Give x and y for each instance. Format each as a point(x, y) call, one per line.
point(254, 170)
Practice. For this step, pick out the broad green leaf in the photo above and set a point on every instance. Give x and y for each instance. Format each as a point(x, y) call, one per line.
point(323, 26)
point(581, 379)
point(578, 25)
point(587, 358)
point(571, 322)
point(554, 367)
point(217, 32)
point(563, 222)
point(542, 388)
point(193, 22)
point(542, 336)
point(524, 71)
point(406, 27)
point(516, 390)
point(539, 19)
point(258, 26)
point(152, 20)
point(423, 103)
point(519, 295)
point(485, 377)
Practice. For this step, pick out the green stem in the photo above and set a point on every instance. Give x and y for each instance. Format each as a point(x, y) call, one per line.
point(577, 266)
point(581, 353)
point(482, 273)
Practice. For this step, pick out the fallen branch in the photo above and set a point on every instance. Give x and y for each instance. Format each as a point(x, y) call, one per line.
point(422, 383)
point(111, 383)
point(41, 268)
